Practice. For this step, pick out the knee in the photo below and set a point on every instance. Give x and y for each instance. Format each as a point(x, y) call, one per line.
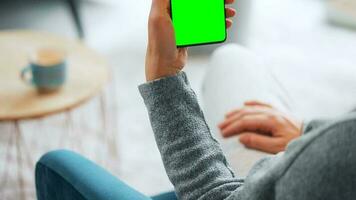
point(231, 48)
point(45, 176)
point(234, 59)
point(56, 159)
point(53, 176)
point(50, 161)
point(41, 181)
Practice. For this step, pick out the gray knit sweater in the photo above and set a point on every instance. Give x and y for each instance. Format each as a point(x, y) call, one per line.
point(319, 165)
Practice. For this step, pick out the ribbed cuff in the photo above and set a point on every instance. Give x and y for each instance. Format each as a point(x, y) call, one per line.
point(164, 86)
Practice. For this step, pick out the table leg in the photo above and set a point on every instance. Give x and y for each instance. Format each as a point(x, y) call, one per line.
point(109, 127)
point(20, 167)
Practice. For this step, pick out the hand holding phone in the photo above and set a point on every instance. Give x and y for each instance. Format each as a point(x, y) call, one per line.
point(163, 58)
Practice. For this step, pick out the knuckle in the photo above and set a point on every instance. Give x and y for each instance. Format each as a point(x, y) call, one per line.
point(156, 20)
point(273, 118)
point(241, 115)
point(238, 110)
point(279, 120)
point(242, 122)
point(281, 146)
point(243, 112)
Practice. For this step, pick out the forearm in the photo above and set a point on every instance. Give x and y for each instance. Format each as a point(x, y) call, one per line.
point(193, 160)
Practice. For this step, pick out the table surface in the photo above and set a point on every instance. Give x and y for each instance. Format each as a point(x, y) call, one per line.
point(87, 74)
point(90, 129)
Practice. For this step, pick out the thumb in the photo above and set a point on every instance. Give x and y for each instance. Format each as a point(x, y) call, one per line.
point(260, 142)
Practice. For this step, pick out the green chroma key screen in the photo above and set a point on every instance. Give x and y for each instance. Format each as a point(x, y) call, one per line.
point(198, 21)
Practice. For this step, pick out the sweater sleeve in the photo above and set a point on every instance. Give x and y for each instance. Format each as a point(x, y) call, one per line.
point(313, 124)
point(317, 123)
point(193, 159)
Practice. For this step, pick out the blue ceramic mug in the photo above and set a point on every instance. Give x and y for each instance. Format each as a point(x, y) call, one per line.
point(47, 68)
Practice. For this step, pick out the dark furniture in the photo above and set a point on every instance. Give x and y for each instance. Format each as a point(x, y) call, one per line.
point(74, 8)
point(11, 8)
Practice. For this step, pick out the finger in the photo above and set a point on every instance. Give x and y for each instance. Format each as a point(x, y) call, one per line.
point(238, 114)
point(229, 1)
point(228, 23)
point(248, 103)
point(183, 50)
point(261, 142)
point(259, 122)
point(230, 12)
point(233, 112)
point(257, 103)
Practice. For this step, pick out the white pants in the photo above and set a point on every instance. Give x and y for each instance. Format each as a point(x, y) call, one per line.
point(236, 75)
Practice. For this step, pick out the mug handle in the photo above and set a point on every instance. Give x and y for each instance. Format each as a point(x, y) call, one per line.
point(25, 78)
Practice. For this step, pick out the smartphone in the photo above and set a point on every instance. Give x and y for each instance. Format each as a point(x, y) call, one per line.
point(198, 22)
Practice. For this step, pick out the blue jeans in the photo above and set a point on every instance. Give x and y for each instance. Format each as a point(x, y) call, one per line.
point(65, 175)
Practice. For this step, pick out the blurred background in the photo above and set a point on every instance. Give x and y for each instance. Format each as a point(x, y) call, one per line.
point(307, 43)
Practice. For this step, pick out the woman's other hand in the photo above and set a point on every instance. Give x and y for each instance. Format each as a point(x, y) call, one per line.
point(261, 127)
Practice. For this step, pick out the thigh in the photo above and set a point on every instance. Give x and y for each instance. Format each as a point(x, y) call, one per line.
point(165, 196)
point(236, 75)
point(50, 185)
point(65, 175)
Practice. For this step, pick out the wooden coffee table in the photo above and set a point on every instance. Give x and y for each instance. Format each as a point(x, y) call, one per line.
point(87, 74)
point(32, 124)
